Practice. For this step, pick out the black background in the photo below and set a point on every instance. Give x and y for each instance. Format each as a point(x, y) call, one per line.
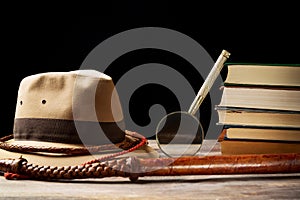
point(50, 38)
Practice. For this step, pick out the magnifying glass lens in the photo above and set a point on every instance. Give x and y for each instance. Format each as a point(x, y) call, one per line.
point(179, 134)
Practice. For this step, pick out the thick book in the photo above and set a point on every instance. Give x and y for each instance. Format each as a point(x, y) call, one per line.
point(262, 133)
point(261, 98)
point(246, 146)
point(283, 75)
point(258, 117)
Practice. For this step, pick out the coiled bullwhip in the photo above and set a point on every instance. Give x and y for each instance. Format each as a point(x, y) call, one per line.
point(133, 167)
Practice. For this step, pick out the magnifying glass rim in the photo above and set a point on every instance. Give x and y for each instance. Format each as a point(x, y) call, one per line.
point(172, 113)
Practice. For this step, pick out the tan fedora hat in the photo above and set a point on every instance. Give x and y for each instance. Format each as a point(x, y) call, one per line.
point(70, 118)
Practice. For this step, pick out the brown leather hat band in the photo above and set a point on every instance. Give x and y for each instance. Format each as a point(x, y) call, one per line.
point(68, 131)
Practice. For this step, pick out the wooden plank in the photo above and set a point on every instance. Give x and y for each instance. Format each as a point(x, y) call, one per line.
point(280, 186)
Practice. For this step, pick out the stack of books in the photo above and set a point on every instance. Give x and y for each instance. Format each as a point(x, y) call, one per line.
point(260, 109)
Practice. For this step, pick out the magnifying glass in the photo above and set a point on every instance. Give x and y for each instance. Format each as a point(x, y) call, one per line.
point(180, 133)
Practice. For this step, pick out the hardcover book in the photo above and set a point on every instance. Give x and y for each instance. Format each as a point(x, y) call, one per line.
point(283, 75)
point(252, 146)
point(261, 98)
point(258, 117)
point(262, 133)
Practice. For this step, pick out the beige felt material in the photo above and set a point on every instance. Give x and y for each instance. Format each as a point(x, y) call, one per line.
point(69, 95)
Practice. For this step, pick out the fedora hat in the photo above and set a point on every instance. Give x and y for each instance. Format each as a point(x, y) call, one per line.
point(70, 118)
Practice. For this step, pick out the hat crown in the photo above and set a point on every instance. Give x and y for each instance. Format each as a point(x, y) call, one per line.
point(85, 95)
point(80, 106)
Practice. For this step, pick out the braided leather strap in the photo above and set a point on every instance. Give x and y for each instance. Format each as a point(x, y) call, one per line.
point(123, 167)
point(135, 139)
point(93, 168)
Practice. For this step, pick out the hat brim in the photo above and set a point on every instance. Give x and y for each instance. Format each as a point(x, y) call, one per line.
point(47, 159)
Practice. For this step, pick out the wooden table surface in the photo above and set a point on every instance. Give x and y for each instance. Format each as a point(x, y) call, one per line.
point(261, 186)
